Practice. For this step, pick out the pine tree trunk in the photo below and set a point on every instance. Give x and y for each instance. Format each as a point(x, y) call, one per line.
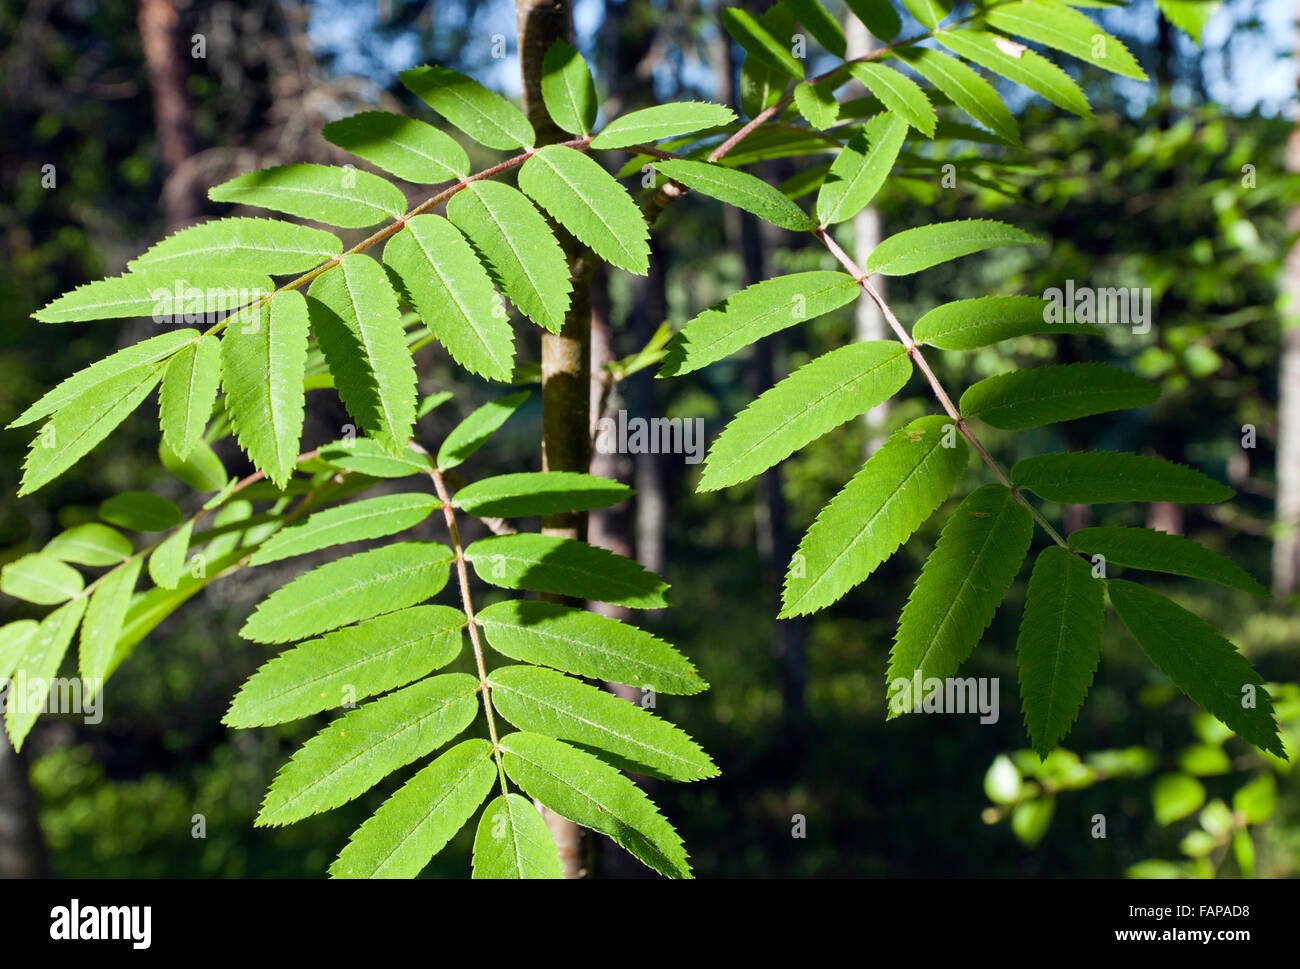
point(162, 43)
point(1286, 547)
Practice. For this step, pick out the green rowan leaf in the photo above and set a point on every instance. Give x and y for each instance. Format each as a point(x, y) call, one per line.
point(978, 554)
point(353, 588)
point(753, 313)
point(201, 469)
point(40, 661)
point(1155, 551)
point(513, 841)
point(141, 511)
point(928, 12)
point(559, 706)
point(355, 317)
point(1065, 29)
point(762, 85)
point(83, 422)
point(472, 433)
point(662, 121)
point(163, 293)
point(818, 22)
point(359, 749)
point(263, 361)
point(1064, 392)
point(879, 16)
point(413, 825)
point(820, 396)
point(189, 389)
point(521, 252)
point(968, 324)
point(817, 104)
point(353, 522)
point(539, 493)
point(586, 200)
point(105, 617)
point(453, 294)
point(40, 578)
point(401, 146)
point(1189, 16)
point(565, 566)
point(14, 637)
point(90, 544)
point(167, 563)
point(1097, 477)
point(913, 250)
point(1200, 662)
point(346, 197)
point(362, 455)
point(965, 87)
point(484, 115)
point(263, 246)
point(739, 189)
point(139, 358)
point(860, 170)
point(1018, 63)
point(567, 89)
point(1059, 645)
point(349, 664)
point(582, 788)
point(577, 641)
point(757, 40)
point(898, 488)
point(899, 94)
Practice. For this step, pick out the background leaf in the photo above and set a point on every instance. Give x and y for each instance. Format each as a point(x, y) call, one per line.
point(1096, 477)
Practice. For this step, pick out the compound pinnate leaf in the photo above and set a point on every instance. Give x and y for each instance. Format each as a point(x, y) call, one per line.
point(521, 252)
point(354, 522)
point(513, 841)
point(662, 121)
point(267, 246)
point(1146, 548)
point(350, 589)
point(582, 642)
point(978, 554)
point(966, 88)
point(899, 94)
point(913, 250)
point(139, 358)
point(453, 294)
point(559, 706)
point(1066, 30)
point(349, 664)
point(484, 115)
point(140, 511)
point(565, 566)
point(898, 488)
point(1097, 477)
point(968, 324)
point(753, 313)
point(472, 433)
point(413, 825)
point(346, 197)
point(586, 200)
point(1019, 64)
point(1200, 662)
point(40, 661)
point(1064, 392)
point(1059, 645)
point(539, 493)
point(404, 147)
point(104, 619)
point(40, 578)
point(567, 89)
point(90, 544)
point(355, 317)
point(860, 169)
point(581, 787)
point(263, 362)
point(82, 423)
point(739, 189)
point(816, 398)
point(358, 750)
point(189, 389)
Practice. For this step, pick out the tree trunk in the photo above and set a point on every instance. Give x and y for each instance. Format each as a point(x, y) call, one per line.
point(1286, 546)
point(22, 849)
point(566, 356)
point(163, 46)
